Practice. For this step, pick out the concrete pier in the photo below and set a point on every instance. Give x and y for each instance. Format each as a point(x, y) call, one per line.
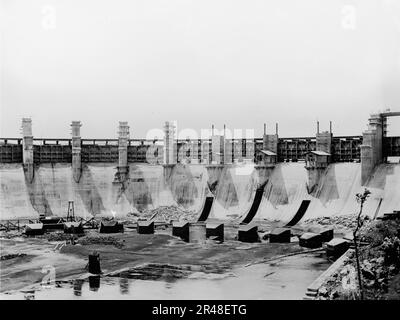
point(206, 152)
point(371, 148)
point(215, 230)
point(250, 149)
point(145, 227)
point(310, 240)
point(76, 150)
point(170, 146)
point(228, 152)
point(123, 137)
point(324, 141)
point(318, 161)
point(218, 149)
point(336, 247)
point(181, 229)
point(326, 234)
point(270, 141)
point(316, 164)
point(197, 232)
point(248, 233)
point(27, 147)
point(280, 235)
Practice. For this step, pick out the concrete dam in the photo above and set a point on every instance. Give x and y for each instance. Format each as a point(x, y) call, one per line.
point(215, 217)
point(187, 187)
point(261, 179)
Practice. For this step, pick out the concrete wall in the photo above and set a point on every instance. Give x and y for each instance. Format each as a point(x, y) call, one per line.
point(27, 147)
point(76, 150)
point(270, 142)
point(218, 149)
point(372, 147)
point(324, 142)
point(185, 186)
point(170, 147)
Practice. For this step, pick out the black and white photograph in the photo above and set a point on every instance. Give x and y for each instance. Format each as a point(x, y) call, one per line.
point(180, 151)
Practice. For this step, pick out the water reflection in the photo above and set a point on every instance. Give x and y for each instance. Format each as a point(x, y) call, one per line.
point(78, 287)
point(123, 285)
point(94, 283)
point(169, 278)
point(168, 285)
point(288, 279)
point(29, 295)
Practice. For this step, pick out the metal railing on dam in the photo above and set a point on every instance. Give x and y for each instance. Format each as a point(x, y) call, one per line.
point(52, 150)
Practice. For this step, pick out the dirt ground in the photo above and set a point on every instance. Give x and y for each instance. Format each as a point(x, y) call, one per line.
point(129, 249)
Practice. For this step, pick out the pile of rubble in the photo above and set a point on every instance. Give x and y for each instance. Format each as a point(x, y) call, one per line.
point(105, 240)
point(168, 213)
point(344, 284)
point(343, 221)
point(57, 236)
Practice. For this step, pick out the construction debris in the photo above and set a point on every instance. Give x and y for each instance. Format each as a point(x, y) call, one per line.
point(105, 240)
point(342, 221)
point(167, 214)
point(379, 267)
point(58, 236)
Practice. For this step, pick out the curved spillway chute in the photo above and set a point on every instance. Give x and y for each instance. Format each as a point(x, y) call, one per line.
point(255, 205)
point(299, 214)
point(205, 212)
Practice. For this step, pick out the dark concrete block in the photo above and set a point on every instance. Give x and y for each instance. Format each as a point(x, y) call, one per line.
point(390, 216)
point(145, 227)
point(94, 263)
point(248, 233)
point(34, 229)
point(280, 235)
point(326, 234)
point(310, 240)
point(215, 230)
point(73, 227)
point(336, 247)
point(181, 230)
point(111, 227)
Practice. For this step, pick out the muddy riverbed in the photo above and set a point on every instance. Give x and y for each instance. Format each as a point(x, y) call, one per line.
point(157, 266)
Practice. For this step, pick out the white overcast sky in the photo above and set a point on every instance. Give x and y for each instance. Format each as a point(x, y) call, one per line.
point(203, 62)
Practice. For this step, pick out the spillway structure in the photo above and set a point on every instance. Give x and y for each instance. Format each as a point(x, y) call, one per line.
point(238, 180)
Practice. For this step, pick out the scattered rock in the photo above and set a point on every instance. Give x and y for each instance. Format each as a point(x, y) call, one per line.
point(166, 214)
point(344, 271)
point(369, 283)
point(334, 294)
point(344, 221)
point(59, 236)
point(323, 291)
point(134, 214)
point(367, 272)
point(265, 236)
point(105, 240)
